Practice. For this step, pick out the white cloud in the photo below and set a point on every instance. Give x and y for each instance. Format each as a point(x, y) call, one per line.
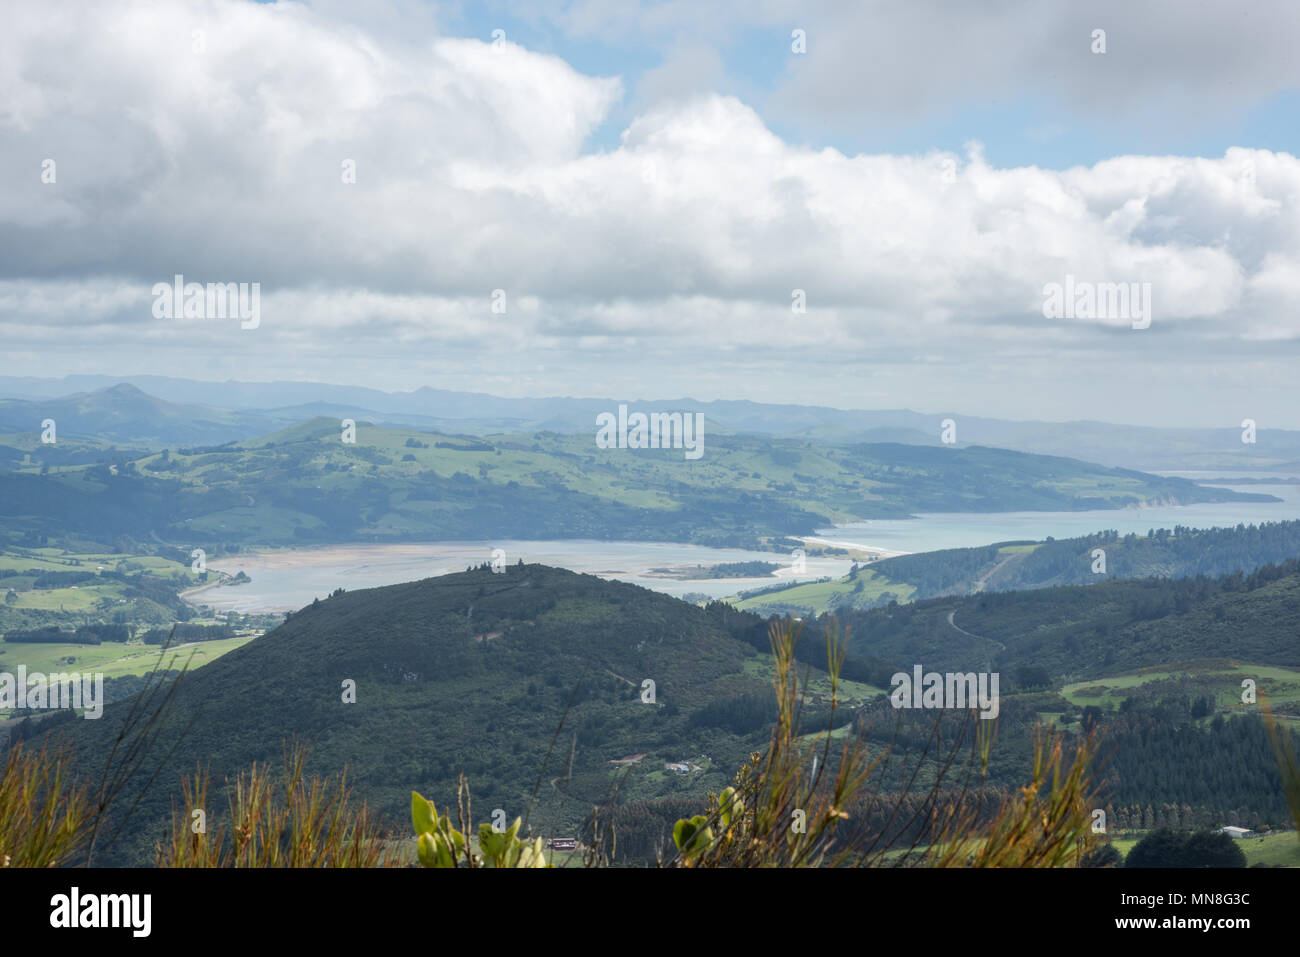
point(472, 176)
point(882, 61)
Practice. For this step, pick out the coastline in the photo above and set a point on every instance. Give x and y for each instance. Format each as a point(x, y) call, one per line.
point(185, 595)
point(874, 551)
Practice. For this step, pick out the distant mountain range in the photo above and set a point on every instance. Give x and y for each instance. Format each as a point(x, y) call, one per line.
point(123, 413)
point(163, 411)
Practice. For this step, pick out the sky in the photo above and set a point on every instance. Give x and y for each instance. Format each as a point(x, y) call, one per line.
point(858, 205)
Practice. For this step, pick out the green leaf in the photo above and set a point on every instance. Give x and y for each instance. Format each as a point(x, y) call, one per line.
point(424, 816)
point(682, 832)
point(428, 850)
point(691, 835)
point(533, 855)
point(492, 844)
point(445, 857)
point(730, 807)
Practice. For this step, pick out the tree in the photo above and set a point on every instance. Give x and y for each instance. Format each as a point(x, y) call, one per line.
point(1104, 855)
point(1090, 718)
point(1166, 848)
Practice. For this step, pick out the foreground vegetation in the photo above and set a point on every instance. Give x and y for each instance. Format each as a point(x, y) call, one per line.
point(554, 693)
point(659, 701)
point(775, 815)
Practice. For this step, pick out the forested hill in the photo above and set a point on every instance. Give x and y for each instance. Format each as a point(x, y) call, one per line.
point(472, 671)
point(1006, 566)
point(539, 680)
point(1173, 553)
point(1080, 632)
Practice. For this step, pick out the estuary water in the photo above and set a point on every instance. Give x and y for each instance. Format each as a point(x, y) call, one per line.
point(935, 530)
point(284, 580)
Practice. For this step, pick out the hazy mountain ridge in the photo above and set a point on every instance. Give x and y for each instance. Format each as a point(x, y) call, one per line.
point(253, 408)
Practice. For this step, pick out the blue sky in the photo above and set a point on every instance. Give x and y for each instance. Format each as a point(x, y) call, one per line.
point(1018, 127)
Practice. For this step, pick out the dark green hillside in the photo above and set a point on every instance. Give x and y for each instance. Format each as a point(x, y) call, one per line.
point(1179, 552)
point(1154, 665)
point(473, 672)
point(1079, 632)
point(468, 672)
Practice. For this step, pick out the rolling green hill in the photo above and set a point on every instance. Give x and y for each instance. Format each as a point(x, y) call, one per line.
point(305, 484)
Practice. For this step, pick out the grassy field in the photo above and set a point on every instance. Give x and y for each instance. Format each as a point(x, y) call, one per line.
point(62, 560)
point(87, 601)
point(1018, 549)
point(849, 692)
point(820, 596)
point(112, 659)
point(819, 737)
point(1276, 850)
point(1223, 679)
